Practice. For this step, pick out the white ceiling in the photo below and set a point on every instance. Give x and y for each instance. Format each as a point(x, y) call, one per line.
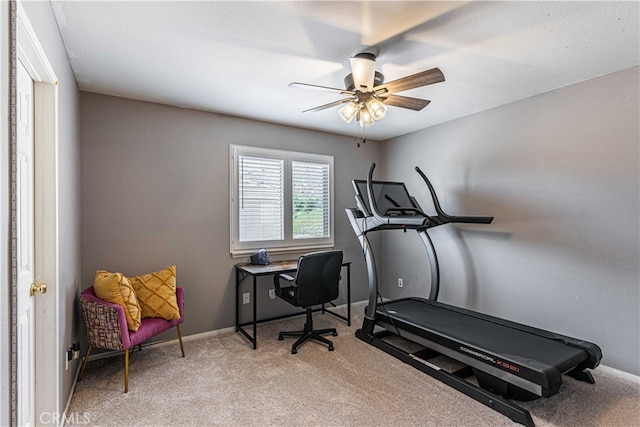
point(238, 57)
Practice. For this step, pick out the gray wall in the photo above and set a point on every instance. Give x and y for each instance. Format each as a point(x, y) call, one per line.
point(155, 192)
point(560, 174)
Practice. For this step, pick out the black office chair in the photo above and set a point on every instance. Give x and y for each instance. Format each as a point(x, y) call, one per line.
point(316, 282)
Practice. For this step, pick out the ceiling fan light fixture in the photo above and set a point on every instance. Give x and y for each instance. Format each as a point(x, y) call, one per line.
point(348, 112)
point(365, 119)
point(376, 108)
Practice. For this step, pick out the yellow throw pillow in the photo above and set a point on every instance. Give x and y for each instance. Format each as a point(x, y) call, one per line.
point(156, 293)
point(116, 289)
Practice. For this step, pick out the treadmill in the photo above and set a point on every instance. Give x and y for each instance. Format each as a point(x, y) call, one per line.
point(508, 360)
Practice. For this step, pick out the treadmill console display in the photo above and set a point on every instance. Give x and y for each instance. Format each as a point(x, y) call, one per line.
point(387, 194)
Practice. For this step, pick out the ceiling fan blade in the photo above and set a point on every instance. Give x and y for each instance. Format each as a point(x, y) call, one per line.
point(329, 105)
point(423, 78)
point(323, 88)
point(363, 68)
point(405, 102)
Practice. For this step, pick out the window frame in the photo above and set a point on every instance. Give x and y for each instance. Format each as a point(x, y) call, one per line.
point(288, 244)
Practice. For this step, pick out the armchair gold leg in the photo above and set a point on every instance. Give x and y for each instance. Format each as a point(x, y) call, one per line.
point(126, 371)
point(180, 339)
point(84, 364)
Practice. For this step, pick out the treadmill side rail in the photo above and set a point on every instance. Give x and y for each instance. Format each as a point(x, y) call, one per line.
point(486, 397)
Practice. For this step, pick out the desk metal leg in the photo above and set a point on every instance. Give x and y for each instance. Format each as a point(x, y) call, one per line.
point(237, 300)
point(255, 322)
point(239, 328)
point(348, 294)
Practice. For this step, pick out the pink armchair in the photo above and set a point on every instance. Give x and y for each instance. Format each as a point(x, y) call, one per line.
point(107, 327)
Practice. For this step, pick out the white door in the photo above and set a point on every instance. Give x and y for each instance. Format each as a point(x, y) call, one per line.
point(25, 248)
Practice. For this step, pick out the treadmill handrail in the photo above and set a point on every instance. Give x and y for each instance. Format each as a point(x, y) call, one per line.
point(420, 219)
point(443, 216)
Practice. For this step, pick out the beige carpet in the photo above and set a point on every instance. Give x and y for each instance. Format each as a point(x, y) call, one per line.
point(223, 382)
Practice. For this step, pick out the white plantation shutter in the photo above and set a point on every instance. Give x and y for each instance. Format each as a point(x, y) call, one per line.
point(280, 200)
point(310, 196)
point(261, 199)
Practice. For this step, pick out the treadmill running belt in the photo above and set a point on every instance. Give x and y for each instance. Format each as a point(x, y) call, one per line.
point(500, 340)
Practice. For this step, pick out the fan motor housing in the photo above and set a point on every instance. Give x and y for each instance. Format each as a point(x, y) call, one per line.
point(378, 79)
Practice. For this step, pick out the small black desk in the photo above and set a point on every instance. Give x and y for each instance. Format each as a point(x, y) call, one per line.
point(245, 270)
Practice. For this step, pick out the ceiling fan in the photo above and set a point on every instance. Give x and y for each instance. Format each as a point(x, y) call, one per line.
point(367, 94)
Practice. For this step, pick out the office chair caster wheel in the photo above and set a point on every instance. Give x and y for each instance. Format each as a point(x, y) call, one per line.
point(334, 333)
point(280, 337)
point(294, 350)
point(331, 347)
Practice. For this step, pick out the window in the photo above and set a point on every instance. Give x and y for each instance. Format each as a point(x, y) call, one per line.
point(280, 200)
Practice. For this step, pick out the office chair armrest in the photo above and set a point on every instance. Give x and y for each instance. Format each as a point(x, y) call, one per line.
point(288, 278)
point(276, 281)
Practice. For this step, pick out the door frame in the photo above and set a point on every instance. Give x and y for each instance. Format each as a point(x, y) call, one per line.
point(48, 351)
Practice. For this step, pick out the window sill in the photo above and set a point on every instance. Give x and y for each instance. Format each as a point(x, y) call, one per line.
point(289, 250)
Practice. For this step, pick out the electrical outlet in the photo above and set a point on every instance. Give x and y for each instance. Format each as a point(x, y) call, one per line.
point(272, 293)
point(246, 298)
point(76, 349)
point(400, 282)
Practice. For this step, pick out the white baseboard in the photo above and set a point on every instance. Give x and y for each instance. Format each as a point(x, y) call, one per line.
point(213, 333)
point(620, 374)
point(362, 303)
